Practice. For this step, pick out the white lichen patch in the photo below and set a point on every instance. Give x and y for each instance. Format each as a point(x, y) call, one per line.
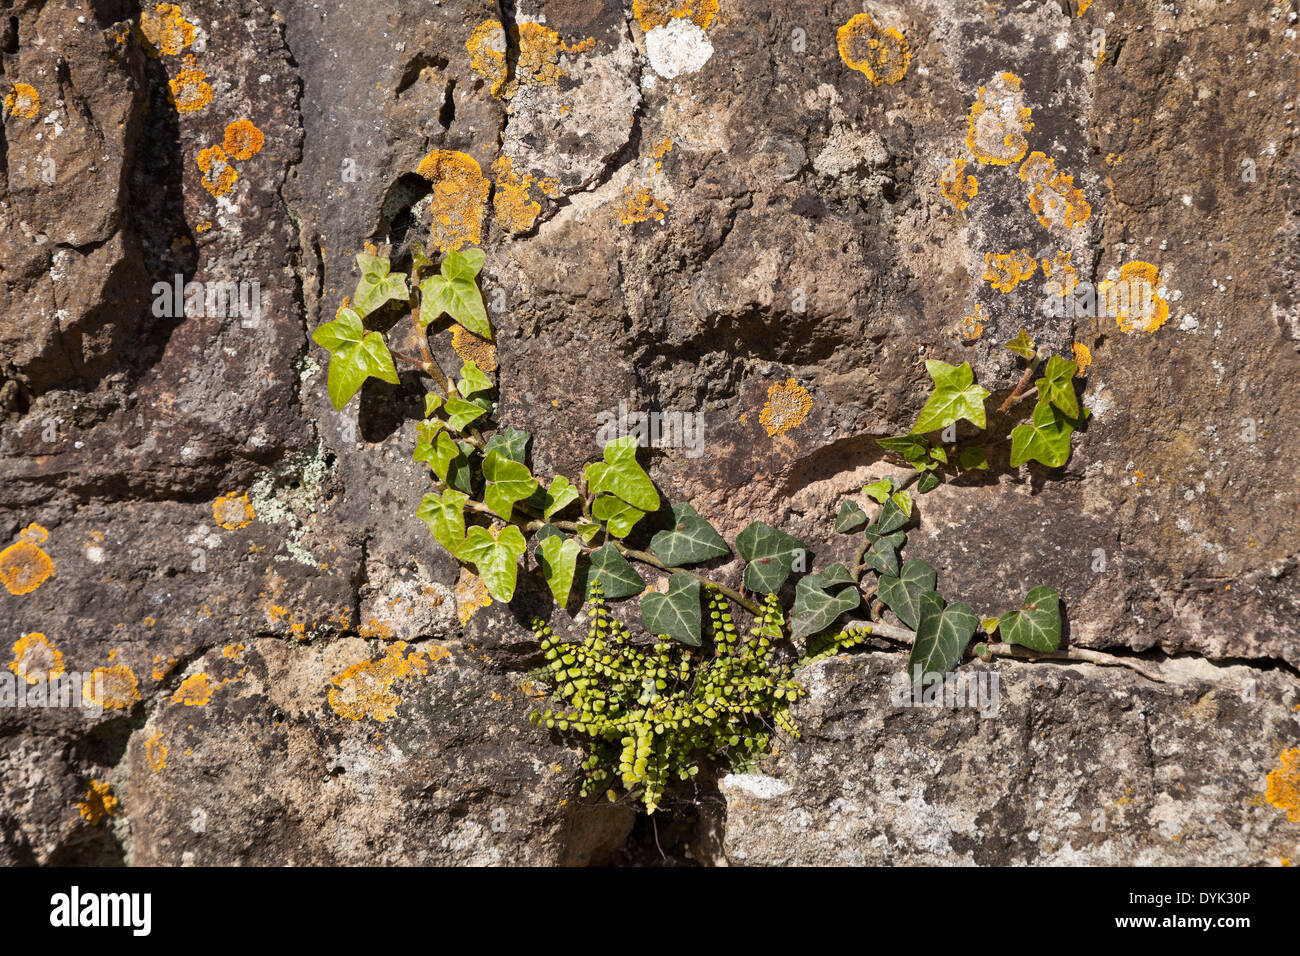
point(677, 48)
point(757, 785)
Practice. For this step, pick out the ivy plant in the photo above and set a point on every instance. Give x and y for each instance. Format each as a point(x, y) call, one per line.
point(698, 691)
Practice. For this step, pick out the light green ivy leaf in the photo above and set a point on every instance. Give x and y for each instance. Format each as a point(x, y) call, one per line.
point(559, 496)
point(955, 396)
point(445, 516)
point(1057, 385)
point(508, 481)
point(455, 293)
point(1047, 440)
point(497, 559)
point(355, 355)
point(620, 475)
point(376, 285)
point(559, 561)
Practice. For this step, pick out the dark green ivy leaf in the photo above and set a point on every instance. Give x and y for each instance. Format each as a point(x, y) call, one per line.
point(617, 578)
point(851, 516)
point(942, 634)
point(815, 609)
point(676, 613)
point(902, 593)
point(511, 442)
point(1037, 624)
point(770, 555)
point(690, 540)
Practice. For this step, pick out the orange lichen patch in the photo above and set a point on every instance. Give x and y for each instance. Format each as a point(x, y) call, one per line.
point(24, 565)
point(113, 688)
point(515, 211)
point(471, 594)
point(377, 628)
point(23, 100)
point(955, 189)
point(1053, 197)
point(243, 140)
point(166, 30)
point(98, 803)
point(155, 752)
point(36, 659)
point(366, 689)
point(639, 205)
point(998, 122)
point(1082, 356)
point(1134, 299)
point(163, 666)
point(1062, 277)
point(438, 653)
point(788, 404)
point(487, 53)
point(233, 511)
point(218, 175)
point(882, 54)
point(190, 91)
point(656, 13)
point(1004, 271)
point(539, 54)
point(972, 326)
point(460, 192)
point(472, 348)
point(1083, 6)
point(231, 650)
point(1284, 784)
point(195, 691)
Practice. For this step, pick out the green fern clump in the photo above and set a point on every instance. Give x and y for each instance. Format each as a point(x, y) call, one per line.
point(652, 713)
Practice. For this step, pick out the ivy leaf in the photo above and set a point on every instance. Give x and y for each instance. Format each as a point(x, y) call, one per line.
point(497, 559)
point(620, 475)
point(455, 293)
point(559, 496)
point(770, 555)
point(851, 516)
point(445, 516)
point(892, 516)
point(472, 381)
point(432, 402)
point(420, 261)
point(544, 532)
point(460, 413)
point(1057, 385)
point(881, 555)
point(426, 435)
point(376, 286)
point(619, 516)
point(587, 531)
point(903, 501)
point(617, 578)
point(1021, 345)
point(1047, 440)
point(450, 462)
point(690, 540)
point(511, 442)
point(955, 396)
point(355, 355)
point(559, 561)
point(815, 609)
point(972, 458)
point(942, 633)
point(837, 573)
point(676, 613)
point(507, 482)
point(939, 455)
point(929, 481)
point(1037, 624)
point(880, 490)
point(911, 447)
point(990, 625)
point(902, 592)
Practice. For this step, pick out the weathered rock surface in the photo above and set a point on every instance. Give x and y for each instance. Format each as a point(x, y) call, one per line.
point(680, 216)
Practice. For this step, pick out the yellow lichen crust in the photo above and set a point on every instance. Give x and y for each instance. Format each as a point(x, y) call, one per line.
point(233, 511)
point(516, 212)
point(190, 91)
point(882, 54)
point(655, 13)
point(788, 404)
point(36, 659)
point(639, 205)
point(1082, 356)
point(487, 54)
point(460, 192)
point(366, 689)
point(1061, 276)
point(998, 122)
point(1284, 784)
point(958, 190)
point(218, 175)
point(113, 688)
point(243, 140)
point(1004, 271)
point(165, 30)
point(23, 100)
point(155, 752)
point(1133, 299)
point(195, 691)
point(1053, 197)
point(471, 594)
point(538, 62)
point(971, 327)
point(98, 803)
point(472, 348)
point(24, 565)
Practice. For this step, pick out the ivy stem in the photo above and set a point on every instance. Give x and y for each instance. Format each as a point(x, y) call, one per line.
point(1020, 386)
